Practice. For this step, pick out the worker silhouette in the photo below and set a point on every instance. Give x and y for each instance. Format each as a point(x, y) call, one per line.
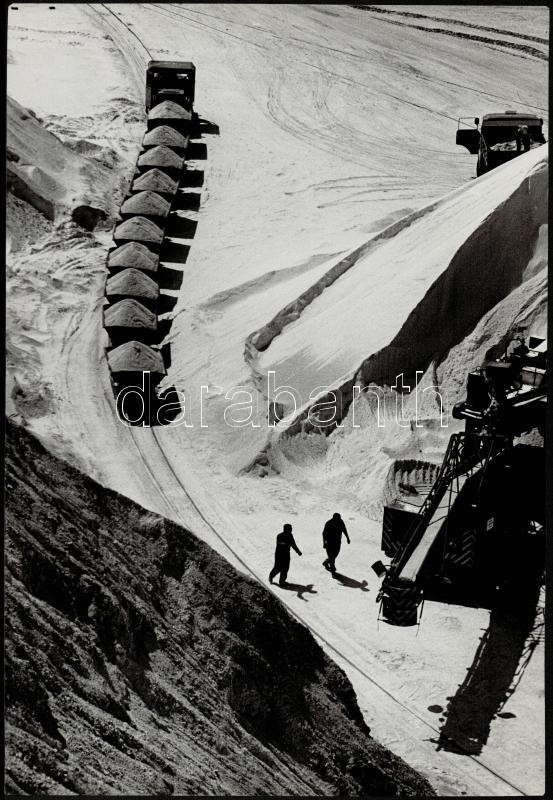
point(517, 349)
point(332, 540)
point(284, 541)
point(523, 138)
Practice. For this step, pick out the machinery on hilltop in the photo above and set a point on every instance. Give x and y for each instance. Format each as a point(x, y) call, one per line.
point(488, 495)
point(499, 138)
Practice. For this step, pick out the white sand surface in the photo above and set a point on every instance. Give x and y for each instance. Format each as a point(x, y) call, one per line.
point(334, 123)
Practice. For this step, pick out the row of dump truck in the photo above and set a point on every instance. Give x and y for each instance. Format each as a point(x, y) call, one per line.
point(134, 298)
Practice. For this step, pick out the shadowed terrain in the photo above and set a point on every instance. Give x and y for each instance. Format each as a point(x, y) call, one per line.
point(139, 661)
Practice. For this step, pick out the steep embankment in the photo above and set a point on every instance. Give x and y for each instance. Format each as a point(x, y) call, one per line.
point(440, 270)
point(139, 661)
point(59, 189)
point(54, 179)
point(478, 252)
point(460, 313)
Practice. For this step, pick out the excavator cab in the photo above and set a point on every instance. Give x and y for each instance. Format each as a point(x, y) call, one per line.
point(518, 380)
point(170, 80)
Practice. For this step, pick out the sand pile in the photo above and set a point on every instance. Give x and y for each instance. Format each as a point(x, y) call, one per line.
point(135, 357)
point(169, 110)
point(138, 229)
point(512, 145)
point(50, 176)
point(165, 135)
point(156, 181)
point(134, 283)
point(161, 157)
point(129, 313)
point(146, 203)
point(133, 254)
point(467, 302)
point(440, 269)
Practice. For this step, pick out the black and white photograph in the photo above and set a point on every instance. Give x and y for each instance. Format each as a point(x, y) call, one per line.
point(275, 475)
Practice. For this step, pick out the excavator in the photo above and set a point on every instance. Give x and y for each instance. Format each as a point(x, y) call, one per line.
point(488, 491)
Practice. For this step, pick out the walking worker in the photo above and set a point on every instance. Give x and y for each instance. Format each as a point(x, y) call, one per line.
point(284, 541)
point(523, 138)
point(332, 540)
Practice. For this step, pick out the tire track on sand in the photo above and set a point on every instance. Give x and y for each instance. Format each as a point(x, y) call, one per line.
point(452, 21)
point(120, 33)
point(514, 47)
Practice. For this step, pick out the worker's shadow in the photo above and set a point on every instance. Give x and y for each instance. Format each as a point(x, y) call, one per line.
point(351, 583)
point(300, 589)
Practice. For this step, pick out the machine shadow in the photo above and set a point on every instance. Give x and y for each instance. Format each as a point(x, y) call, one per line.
point(463, 591)
point(187, 201)
point(166, 355)
point(196, 151)
point(181, 227)
point(207, 127)
point(192, 178)
point(170, 278)
point(504, 651)
point(163, 328)
point(166, 303)
point(174, 252)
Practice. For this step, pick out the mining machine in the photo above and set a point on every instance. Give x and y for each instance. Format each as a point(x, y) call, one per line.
point(488, 491)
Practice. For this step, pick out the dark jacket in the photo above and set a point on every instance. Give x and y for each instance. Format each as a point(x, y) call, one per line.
point(284, 541)
point(332, 533)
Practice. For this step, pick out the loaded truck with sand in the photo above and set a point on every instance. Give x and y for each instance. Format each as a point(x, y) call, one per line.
point(497, 138)
point(138, 263)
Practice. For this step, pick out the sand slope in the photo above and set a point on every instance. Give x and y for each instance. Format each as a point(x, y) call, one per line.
point(140, 662)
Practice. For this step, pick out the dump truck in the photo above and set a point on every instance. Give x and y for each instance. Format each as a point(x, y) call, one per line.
point(136, 356)
point(170, 80)
point(497, 139)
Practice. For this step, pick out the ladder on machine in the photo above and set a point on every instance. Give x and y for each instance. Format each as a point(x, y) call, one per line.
point(400, 594)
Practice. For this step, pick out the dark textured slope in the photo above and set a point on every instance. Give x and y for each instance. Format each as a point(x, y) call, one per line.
point(138, 661)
